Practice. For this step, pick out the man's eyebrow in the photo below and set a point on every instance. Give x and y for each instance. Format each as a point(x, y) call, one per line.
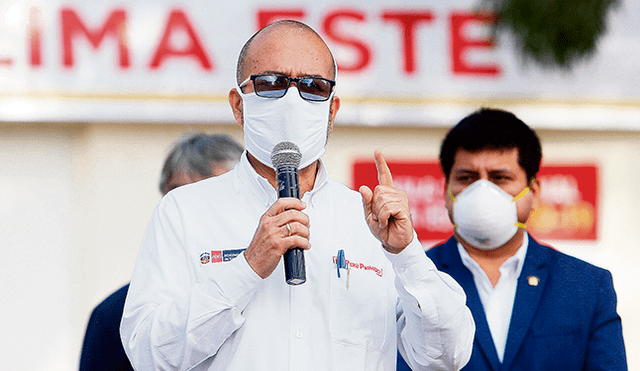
point(467, 171)
point(501, 170)
point(464, 171)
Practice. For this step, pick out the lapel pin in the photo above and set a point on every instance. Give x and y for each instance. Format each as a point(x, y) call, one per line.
point(533, 280)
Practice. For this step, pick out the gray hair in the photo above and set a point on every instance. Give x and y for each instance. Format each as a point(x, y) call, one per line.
point(196, 153)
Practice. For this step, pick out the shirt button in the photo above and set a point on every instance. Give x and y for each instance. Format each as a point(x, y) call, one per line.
point(299, 334)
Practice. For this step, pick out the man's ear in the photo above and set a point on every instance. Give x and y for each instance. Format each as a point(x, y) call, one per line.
point(448, 201)
point(335, 106)
point(534, 186)
point(235, 100)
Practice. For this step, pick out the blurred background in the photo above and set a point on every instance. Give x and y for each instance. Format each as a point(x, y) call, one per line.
point(94, 92)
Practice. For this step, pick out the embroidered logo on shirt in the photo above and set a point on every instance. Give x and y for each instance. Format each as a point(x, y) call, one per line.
point(219, 256)
point(378, 271)
point(205, 257)
point(216, 256)
point(228, 255)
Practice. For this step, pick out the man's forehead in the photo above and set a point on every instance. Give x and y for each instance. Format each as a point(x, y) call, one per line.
point(284, 48)
point(490, 159)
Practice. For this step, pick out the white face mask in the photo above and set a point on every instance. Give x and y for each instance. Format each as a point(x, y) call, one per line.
point(269, 121)
point(485, 216)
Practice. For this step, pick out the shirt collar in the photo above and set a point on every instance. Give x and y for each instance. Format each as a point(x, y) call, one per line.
point(513, 264)
point(322, 177)
point(263, 190)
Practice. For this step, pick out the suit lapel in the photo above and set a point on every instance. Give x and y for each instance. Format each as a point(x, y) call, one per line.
point(452, 264)
point(531, 283)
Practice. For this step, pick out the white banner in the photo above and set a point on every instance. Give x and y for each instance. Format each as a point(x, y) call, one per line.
point(415, 63)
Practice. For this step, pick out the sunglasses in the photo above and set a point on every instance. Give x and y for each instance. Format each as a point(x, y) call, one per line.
point(314, 89)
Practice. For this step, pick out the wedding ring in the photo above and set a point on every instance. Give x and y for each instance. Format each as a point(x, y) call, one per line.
point(289, 229)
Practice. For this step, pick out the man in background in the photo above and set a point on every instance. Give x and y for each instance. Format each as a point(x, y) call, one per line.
point(193, 157)
point(535, 308)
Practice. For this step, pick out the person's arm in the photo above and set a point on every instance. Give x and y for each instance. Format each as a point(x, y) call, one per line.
point(435, 327)
point(97, 350)
point(102, 347)
point(605, 350)
point(170, 322)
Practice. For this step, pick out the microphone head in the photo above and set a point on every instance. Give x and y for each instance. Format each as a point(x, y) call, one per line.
point(285, 153)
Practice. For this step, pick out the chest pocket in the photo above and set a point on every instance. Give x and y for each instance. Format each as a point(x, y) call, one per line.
point(359, 314)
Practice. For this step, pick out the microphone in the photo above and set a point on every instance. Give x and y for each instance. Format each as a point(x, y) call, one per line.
point(285, 158)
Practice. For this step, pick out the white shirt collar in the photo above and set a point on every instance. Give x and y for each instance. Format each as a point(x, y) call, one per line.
point(261, 187)
point(512, 266)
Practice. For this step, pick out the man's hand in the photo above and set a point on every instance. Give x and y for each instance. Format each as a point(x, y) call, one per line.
point(273, 238)
point(387, 210)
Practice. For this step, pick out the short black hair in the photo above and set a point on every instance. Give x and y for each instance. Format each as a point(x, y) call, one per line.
point(490, 128)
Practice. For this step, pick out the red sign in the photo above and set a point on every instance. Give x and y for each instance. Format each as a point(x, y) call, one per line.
point(567, 211)
point(74, 26)
point(424, 184)
point(568, 208)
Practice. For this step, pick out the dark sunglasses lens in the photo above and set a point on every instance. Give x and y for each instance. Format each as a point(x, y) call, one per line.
point(314, 89)
point(271, 86)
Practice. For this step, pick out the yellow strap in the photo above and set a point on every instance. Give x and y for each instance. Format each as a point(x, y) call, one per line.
point(521, 194)
point(451, 195)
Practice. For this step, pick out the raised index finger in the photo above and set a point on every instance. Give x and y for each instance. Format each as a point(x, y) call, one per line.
point(384, 174)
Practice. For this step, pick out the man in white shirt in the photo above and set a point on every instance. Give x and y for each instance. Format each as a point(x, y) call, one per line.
point(534, 307)
point(208, 290)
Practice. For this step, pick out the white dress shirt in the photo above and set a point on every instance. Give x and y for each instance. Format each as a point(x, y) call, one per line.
point(498, 301)
point(196, 304)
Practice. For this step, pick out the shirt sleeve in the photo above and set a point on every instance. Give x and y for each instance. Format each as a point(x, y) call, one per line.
point(170, 322)
point(435, 327)
point(606, 349)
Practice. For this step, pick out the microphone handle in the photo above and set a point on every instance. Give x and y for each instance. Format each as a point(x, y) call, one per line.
point(289, 186)
point(294, 269)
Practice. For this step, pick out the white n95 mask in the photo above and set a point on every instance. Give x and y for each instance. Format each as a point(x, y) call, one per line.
point(269, 121)
point(485, 216)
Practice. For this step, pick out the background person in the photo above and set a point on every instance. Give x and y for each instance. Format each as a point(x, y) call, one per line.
point(192, 158)
point(535, 308)
point(208, 290)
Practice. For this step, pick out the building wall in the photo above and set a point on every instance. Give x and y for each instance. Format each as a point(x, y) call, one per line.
point(75, 200)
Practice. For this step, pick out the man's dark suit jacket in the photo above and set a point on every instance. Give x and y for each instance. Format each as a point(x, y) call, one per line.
point(102, 349)
point(564, 316)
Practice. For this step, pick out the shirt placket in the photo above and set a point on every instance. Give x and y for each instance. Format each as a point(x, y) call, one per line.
point(299, 321)
point(299, 338)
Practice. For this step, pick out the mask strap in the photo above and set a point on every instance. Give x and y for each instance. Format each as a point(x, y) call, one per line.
point(521, 194)
point(451, 195)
